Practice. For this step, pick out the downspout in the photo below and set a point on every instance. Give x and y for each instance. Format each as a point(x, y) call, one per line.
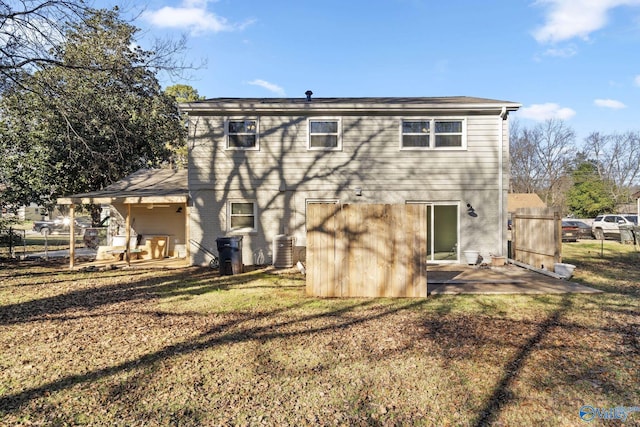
point(502, 221)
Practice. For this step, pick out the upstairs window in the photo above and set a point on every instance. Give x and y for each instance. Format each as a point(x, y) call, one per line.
point(324, 134)
point(432, 134)
point(242, 134)
point(448, 133)
point(415, 133)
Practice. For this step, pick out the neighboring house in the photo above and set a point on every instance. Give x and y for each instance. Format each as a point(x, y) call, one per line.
point(517, 201)
point(32, 212)
point(255, 165)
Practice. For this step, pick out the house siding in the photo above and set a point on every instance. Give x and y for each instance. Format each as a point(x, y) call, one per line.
point(283, 174)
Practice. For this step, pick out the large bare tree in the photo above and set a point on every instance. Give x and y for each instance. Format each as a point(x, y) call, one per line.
point(617, 159)
point(525, 170)
point(541, 158)
point(33, 34)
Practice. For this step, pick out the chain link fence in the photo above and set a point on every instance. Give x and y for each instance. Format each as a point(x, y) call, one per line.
point(26, 244)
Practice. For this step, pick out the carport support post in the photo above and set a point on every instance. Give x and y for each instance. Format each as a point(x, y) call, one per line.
point(128, 236)
point(187, 240)
point(72, 236)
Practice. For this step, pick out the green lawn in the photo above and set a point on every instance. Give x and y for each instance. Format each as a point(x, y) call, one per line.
point(189, 347)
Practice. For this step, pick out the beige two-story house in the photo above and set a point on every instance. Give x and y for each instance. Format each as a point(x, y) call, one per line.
point(255, 165)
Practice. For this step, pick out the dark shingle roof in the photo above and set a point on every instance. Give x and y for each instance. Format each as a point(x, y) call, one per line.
point(144, 183)
point(364, 100)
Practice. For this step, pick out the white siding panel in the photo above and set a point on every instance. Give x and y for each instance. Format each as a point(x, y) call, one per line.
point(283, 174)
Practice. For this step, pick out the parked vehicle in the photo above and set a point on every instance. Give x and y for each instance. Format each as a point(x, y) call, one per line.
point(569, 232)
point(584, 229)
point(59, 225)
point(607, 226)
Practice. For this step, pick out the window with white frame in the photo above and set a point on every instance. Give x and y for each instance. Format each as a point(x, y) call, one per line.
point(416, 133)
point(242, 215)
point(324, 134)
point(448, 133)
point(242, 134)
point(433, 134)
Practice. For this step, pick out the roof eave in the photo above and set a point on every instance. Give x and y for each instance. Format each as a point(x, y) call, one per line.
point(125, 199)
point(240, 107)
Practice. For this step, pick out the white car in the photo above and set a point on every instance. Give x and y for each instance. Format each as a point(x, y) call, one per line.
point(608, 226)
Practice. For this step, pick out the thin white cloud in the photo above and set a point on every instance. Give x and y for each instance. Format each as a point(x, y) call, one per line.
point(192, 15)
point(200, 4)
point(567, 19)
point(609, 103)
point(271, 87)
point(564, 52)
point(636, 80)
point(542, 112)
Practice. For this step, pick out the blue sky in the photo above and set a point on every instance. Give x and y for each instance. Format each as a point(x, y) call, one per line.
point(577, 60)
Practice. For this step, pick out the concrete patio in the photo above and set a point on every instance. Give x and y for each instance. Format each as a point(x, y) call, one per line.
point(508, 279)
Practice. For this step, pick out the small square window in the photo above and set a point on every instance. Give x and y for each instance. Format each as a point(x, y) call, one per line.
point(242, 134)
point(324, 134)
point(242, 216)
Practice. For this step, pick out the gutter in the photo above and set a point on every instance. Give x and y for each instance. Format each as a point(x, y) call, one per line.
point(249, 106)
point(501, 219)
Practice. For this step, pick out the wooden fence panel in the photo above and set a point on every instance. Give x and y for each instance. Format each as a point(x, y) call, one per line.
point(365, 250)
point(321, 218)
point(537, 237)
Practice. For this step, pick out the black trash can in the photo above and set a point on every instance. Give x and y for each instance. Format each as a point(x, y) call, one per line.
point(230, 255)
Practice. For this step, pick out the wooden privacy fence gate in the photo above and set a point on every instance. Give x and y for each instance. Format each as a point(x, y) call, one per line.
point(536, 237)
point(366, 250)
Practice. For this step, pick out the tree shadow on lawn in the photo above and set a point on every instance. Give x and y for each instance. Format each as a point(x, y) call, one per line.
point(576, 349)
point(152, 284)
point(502, 394)
point(454, 335)
point(217, 336)
point(54, 276)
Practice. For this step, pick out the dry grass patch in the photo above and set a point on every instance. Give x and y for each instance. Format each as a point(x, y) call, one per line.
point(187, 347)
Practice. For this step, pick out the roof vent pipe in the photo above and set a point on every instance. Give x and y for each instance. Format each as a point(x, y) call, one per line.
point(308, 93)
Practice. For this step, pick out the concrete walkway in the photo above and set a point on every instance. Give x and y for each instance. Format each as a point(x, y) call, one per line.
point(510, 279)
point(63, 253)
